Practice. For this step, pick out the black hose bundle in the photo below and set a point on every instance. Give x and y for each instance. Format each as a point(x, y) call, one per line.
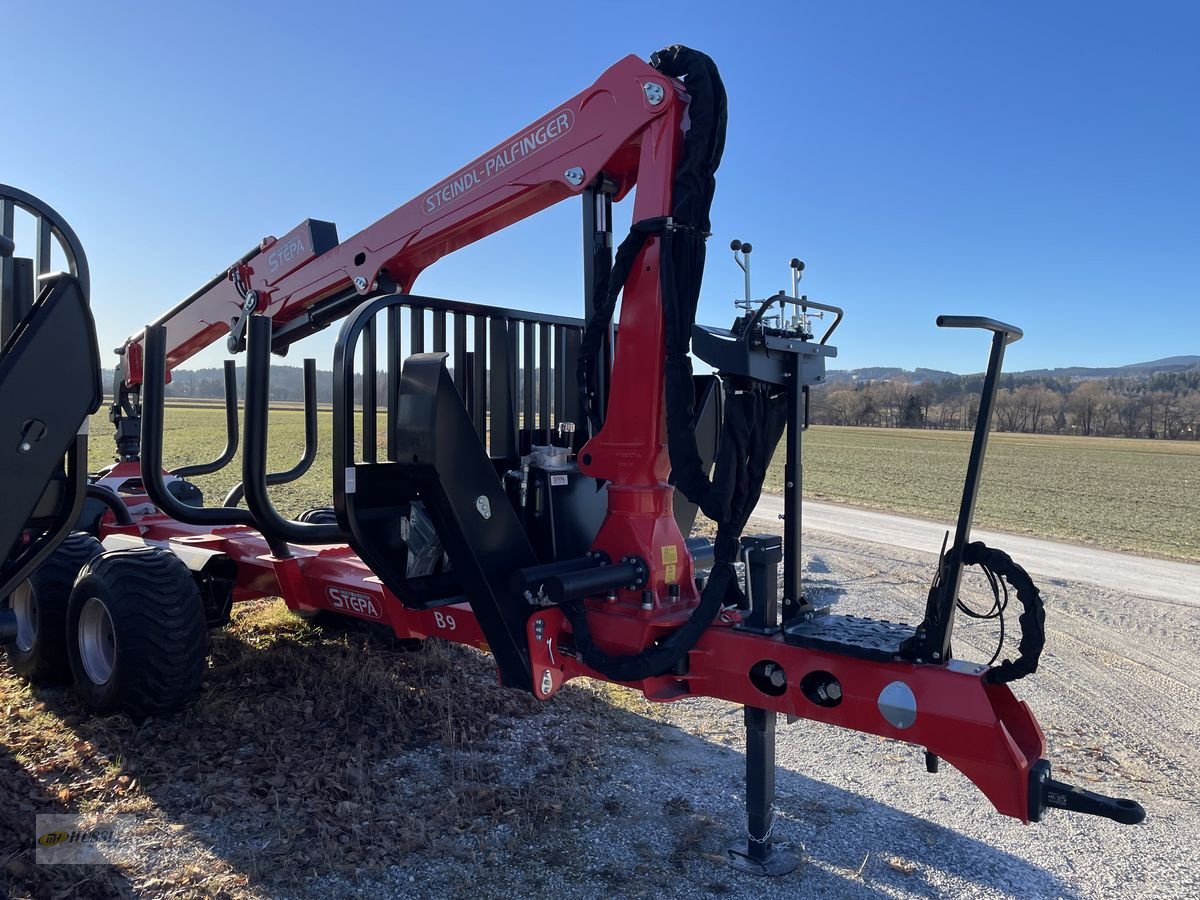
point(995, 564)
point(755, 413)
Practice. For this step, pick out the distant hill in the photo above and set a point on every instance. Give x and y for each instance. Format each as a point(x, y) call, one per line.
point(888, 373)
point(287, 381)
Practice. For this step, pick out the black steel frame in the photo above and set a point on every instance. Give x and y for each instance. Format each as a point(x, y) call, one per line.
point(18, 290)
point(311, 438)
point(933, 637)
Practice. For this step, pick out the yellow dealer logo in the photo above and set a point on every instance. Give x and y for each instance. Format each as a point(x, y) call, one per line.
point(53, 838)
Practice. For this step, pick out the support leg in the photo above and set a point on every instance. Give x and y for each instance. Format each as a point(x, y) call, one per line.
point(759, 856)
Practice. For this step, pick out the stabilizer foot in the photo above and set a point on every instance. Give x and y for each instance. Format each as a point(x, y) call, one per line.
point(774, 862)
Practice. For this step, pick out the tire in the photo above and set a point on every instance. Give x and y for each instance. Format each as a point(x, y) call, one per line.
point(136, 634)
point(39, 654)
point(318, 515)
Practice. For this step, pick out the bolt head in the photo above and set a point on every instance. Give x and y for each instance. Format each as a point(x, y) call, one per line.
point(654, 92)
point(360, 282)
point(547, 681)
point(574, 175)
point(484, 506)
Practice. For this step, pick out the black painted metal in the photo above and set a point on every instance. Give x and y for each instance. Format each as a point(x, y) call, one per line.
point(49, 384)
point(154, 366)
point(707, 424)
point(18, 288)
point(442, 463)
point(20, 565)
point(760, 855)
point(274, 527)
point(48, 224)
point(231, 430)
point(527, 387)
point(479, 378)
point(502, 393)
point(370, 405)
point(439, 331)
point(543, 376)
point(597, 254)
point(571, 409)
point(460, 354)
point(395, 358)
point(486, 344)
point(939, 617)
point(111, 501)
point(309, 454)
point(793, 498)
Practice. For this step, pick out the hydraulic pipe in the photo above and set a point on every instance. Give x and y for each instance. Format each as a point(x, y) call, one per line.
point(594, 581)
point(109, 498)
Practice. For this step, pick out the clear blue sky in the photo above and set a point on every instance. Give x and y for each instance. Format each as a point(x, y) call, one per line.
point(1036, 162)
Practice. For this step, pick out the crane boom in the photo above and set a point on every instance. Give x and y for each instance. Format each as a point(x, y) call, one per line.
point(307, 279)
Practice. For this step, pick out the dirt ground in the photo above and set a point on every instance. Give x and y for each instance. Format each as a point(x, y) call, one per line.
point(330, 762)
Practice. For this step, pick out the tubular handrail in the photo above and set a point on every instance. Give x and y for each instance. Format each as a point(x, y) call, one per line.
point(254, 456)
point(231, 431)
point(49, 224)
point(515, 371)
point(153, 391)
point(234, 497)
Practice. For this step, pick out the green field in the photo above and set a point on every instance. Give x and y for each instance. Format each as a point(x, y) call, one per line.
point(1121, 494)
point(1111, 492)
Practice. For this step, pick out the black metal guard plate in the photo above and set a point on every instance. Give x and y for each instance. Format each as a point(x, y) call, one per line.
point(850, 636)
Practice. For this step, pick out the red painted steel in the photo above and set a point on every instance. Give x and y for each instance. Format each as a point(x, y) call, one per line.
point(611, 127)
point(601, 128)
point(982, 730)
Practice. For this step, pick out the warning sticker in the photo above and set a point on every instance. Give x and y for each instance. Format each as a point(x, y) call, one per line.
point(670, 574)
point(670, 554)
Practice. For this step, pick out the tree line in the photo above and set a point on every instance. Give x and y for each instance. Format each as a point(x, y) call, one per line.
point(1165, 405)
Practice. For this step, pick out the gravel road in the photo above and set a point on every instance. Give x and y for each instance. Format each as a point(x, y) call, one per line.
point(1117, 694)
point(1175, 582)
point(623, 798)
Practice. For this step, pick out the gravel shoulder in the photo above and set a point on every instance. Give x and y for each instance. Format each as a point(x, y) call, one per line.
point(1169, 580)
point(1117, 696)
point(418, 777)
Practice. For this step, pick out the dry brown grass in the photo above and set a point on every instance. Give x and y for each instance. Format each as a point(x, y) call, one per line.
point(308, 753)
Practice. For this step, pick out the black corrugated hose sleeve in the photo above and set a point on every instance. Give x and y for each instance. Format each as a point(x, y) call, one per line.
point(754, 416)
point(1033, 612)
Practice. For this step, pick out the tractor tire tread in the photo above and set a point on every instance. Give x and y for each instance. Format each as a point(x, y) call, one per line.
point(52, 582)
point(162, 638)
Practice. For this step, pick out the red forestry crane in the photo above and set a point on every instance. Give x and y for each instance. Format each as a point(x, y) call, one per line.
point(571, 561)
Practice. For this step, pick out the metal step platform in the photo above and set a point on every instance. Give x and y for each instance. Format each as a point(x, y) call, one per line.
point(855, 636)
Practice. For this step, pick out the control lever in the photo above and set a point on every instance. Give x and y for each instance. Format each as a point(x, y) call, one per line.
point(1048, 793)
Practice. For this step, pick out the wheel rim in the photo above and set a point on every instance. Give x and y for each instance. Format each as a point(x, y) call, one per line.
point(97, 643)
point(26, 613)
